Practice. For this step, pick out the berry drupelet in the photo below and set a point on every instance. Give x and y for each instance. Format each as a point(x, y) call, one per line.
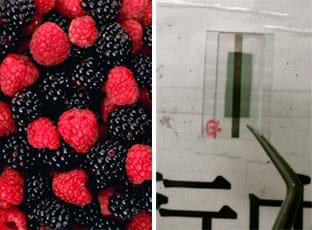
point(142, 69)
point(9, 40)
point(147, 37)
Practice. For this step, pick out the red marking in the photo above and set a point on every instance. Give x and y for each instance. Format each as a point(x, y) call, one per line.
point(213, 128)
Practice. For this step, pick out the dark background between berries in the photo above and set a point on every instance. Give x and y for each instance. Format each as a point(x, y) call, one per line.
point(76, 83)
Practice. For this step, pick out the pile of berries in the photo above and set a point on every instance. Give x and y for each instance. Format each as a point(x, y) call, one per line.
point(75, 114)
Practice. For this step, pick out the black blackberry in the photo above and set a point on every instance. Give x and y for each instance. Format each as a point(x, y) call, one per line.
point(19, 12)
point(9, 40)
point(17, 153)
point(37, 187)
point(53, 214)
point(78, 99)
point(61, 159)
point(106, 162)
point(124, 205)
point(142, 69)
point(55, 87)
point(113, 43)
point(145, 195)
point(26, 106)
point(147, 37)
point(107, 224)
point(87, 215)
point(87, 75)
point(78, 54)
point(129, 123)
point(32, 223)
point(60, 20)
point(102, 11)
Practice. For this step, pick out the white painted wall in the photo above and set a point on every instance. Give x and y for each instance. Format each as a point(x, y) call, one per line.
point(183, 154)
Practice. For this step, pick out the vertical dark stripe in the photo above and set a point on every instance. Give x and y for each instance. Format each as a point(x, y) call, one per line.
point(206, 223)
point(237, 84)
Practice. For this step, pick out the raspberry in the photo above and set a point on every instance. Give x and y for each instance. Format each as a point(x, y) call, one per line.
point(106, 108)
point(49, 44)
point(12, 218)
point(135, 31)
point(42, 133)
point(121, 86)
point(17, 72)
point(147, 20)
point(133, 9)
point(44, 6)
point(69, 8)
point(11, 188)
point(83, 32)
point(103, 199)
point(7, 125)
point(143, 221)
point(79, 128)
point(139, 163)
point(71, 187)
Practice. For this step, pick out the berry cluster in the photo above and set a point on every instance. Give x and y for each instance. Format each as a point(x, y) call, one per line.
point(75, 114)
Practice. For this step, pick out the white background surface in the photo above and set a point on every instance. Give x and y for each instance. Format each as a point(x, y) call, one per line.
point(183, 154)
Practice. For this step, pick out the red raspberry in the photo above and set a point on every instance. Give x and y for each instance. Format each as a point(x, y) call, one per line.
point(49, 44)
point(139, 163)
point(135, 31)
point(79, 128)
point(7, 125)
point(133, 9)
point(83, 32)
point(145, 99)
point(42, 133)
point(17, 72)
point(121, 87)
point(71, 187)
point(103, 199)
point(106, 108)
point(44, 6)
point(143, 221)
point(11, 188)
point(69, 8)
point(147, 20)
point(12, 218)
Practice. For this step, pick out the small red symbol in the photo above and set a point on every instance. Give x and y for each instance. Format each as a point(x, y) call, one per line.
point(212, 128)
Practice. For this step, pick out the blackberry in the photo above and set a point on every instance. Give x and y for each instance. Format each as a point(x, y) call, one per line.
point(37, 187)
point(9, 40)
point(53, 214)
point(102, 11)
point(19, 12)
point(58, 19)
point(17, 153)
point(77, 54)
point(142, 69)
point(129, 123)
point(54, 87)
point(107, 224)
point(88, 214)
point(113, 43)
point(106, 162)
point(124, 206)
point(78, 99)
point(63, 158)
point(87, 75)
point(147, 37)
point(32, 223)
point(26, 106)
point(145, 196)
